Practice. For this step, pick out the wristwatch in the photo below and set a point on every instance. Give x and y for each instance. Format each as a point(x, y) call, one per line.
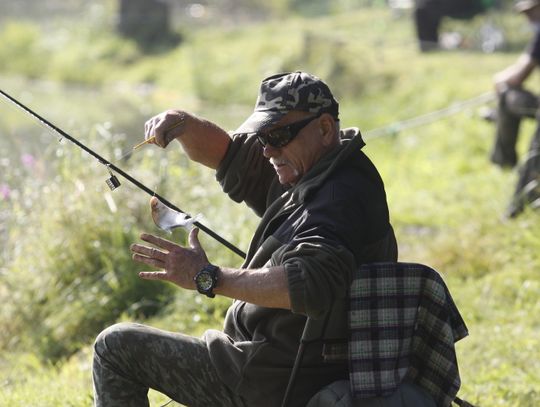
point(206, 280)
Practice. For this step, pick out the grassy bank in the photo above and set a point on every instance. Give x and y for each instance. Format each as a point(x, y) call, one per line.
point(446, 199)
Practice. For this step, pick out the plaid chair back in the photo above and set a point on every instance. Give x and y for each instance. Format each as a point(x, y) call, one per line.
point(403, 325)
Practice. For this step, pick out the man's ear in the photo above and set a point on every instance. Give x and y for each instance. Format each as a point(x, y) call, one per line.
point(327, 129)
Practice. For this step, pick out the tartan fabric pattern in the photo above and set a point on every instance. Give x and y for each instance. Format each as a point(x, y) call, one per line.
point(403, 326)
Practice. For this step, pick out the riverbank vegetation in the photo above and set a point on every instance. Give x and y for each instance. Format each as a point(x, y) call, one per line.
point(65, 270)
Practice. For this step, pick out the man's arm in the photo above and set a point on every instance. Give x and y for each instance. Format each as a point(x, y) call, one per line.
point(515, 74)
point(266, 286)
point(202, 140)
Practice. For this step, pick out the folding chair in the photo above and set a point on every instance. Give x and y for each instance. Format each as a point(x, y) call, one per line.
point(406, 306)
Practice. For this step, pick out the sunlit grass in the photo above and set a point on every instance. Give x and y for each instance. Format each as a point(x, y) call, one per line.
point(447, 201)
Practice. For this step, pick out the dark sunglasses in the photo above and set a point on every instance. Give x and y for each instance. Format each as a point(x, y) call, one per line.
point(282, 136)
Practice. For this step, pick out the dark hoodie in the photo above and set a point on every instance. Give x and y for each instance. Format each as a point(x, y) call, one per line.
point(334, 219)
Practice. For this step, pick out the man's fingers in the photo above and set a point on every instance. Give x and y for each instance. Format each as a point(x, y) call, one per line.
point(153, 275)
point(150, 131)
point(158, 241)
point(193, 239)
point(151, 252)
point(153, 132)
point(164, 127)
point(148, 260)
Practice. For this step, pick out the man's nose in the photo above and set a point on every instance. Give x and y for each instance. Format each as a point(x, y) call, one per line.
point(269, 151)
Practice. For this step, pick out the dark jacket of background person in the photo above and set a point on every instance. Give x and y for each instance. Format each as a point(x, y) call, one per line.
point(335, 218)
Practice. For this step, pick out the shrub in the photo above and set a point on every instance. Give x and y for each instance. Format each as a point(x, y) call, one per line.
point(71, 273)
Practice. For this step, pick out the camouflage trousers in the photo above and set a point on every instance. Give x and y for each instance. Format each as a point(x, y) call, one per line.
point(131, 358)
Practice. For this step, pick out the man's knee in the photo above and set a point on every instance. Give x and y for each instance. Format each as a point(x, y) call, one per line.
point(114, 338)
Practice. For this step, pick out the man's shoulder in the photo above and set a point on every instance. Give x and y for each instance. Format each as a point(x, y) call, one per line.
point(356, 181)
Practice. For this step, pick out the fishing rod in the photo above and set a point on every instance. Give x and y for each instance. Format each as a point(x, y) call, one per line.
point(113, 181)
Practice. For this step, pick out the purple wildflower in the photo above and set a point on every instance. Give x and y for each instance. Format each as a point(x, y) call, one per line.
point(28, 160)
point(5, 191)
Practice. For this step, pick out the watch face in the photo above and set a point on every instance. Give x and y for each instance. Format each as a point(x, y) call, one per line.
point(204, 281)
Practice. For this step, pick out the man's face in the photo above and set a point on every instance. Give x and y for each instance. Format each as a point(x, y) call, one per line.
point(292, 161)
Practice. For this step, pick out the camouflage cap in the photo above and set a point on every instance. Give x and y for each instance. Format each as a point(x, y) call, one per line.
point(279, 94)
point(525, 5)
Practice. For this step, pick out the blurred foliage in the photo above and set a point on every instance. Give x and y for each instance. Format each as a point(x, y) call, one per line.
point(22, 40)
point(66, 271)
point(39, 52)
point(71, 271)
point(329, 44)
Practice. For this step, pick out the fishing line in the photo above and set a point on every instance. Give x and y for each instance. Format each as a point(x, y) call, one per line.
point(162, 164)
point(112, 168)
point(430, 117)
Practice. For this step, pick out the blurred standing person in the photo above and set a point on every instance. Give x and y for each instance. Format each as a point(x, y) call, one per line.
point(428, 15)
point(515, 103)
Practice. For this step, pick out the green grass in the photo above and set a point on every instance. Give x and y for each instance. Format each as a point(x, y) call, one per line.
point(446, 199)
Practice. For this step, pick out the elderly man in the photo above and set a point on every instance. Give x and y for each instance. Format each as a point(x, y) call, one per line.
point(515, 103)
point(323, 212)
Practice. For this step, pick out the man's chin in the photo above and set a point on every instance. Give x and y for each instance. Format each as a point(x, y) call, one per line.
point(287, 175)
